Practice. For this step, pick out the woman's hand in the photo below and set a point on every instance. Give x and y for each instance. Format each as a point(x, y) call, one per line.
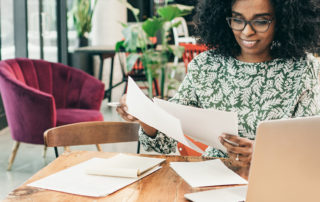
point(122, 110)
point(240, 153)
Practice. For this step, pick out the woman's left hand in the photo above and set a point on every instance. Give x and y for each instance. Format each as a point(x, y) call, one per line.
point(240, 153)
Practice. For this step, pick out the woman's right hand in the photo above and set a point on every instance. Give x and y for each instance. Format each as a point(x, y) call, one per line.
point(122, 110)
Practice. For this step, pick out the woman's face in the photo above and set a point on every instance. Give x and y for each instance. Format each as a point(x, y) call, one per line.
point(255, 45)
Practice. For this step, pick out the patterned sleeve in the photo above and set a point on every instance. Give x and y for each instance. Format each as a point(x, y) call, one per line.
point(186, 95)
point(309, 101)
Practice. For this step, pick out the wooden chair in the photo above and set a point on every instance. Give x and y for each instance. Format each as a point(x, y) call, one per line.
point(97, 132)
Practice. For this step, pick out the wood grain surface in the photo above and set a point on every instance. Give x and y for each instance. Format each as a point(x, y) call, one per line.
point(164, 185)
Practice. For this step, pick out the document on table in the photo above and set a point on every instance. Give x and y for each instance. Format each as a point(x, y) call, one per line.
point(123, 165)
point(75, 180)
point(206, 173)
point(232, 194)
point(148, 112)
point(210, 123)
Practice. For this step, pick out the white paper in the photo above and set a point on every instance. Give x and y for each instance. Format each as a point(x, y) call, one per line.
point(123, 165)
point(74, 180)
point(210, 123)
point(232, 194)
point(206, 173)
point(151, 114)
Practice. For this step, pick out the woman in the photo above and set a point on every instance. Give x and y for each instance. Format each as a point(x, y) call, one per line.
point(259, 69)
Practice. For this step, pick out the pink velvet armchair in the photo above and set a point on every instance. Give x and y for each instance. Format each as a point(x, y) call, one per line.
point(38, 95)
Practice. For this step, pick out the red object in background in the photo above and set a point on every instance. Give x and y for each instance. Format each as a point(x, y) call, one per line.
point(186, 151)
point(190, 51)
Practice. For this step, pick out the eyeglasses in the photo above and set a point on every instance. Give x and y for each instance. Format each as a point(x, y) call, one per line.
point(239, 24)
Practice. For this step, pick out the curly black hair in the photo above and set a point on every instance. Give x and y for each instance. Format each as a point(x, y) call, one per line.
point(297, 29)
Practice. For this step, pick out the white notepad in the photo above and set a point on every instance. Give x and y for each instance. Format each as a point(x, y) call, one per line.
point(75, 180)
point(207, 173)
point(123, 165)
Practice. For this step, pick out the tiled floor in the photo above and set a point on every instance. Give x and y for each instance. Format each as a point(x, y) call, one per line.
point(29, 157)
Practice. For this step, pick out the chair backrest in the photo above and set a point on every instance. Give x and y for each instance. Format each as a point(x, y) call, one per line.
point(190, 51)
point(97, 132)
point(181, 33)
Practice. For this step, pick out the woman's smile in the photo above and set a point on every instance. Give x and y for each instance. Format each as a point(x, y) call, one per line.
point(249, 43)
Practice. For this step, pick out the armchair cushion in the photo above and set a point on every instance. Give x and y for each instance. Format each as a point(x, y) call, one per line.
point(68, 116)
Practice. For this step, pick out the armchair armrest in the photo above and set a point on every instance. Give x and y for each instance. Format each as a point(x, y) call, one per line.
point(29, 111)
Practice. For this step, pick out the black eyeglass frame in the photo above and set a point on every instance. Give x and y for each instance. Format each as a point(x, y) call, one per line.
point(248, 22)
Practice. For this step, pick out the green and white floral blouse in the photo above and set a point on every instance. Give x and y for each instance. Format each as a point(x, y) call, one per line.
point(275, 89)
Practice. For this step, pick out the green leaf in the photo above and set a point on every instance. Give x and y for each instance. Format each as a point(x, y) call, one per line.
point(119, 44)
point(176, 24)
point(131, 60)
point(171, 12)
point(131, 38)
point(151, 26)
point(124, 25)
point(177, 51)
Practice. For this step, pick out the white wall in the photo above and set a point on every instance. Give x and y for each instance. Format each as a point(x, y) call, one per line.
point(106, 27)
point(106, 30)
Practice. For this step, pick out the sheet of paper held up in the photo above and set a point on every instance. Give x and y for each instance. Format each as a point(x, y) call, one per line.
point(148, 112)
point(231, 194)
point(123, 165)
point(206, 173)
point(74, 180)
point(209, 125)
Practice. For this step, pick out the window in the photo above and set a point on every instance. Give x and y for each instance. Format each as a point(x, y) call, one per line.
point(7, 33)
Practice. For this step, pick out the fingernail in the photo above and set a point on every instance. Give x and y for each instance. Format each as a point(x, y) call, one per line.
point(223, 136)
point(220, 138)
point(125, 108)
point(130, 117)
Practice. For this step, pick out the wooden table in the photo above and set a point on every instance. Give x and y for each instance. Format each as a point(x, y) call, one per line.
point(163, 185)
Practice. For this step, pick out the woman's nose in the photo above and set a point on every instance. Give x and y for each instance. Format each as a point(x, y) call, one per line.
point(248, 30)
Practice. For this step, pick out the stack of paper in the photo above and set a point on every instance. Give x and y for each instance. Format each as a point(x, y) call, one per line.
point(124, 166)
point(232, 194)
point(175, 120)
point(75, 180)
point(206, 173)
point(211, 123)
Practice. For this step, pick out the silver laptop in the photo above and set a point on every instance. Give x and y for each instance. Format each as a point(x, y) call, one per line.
point(286, 161)
point(285, 166)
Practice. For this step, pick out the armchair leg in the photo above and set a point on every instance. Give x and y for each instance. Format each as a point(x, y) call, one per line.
point(99, 148)
point(13, 154)
point(44, 155)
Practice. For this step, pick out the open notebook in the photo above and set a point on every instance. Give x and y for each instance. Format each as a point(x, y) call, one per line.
point(123, 165)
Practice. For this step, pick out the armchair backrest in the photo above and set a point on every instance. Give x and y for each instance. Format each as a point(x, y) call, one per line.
point(67, 85)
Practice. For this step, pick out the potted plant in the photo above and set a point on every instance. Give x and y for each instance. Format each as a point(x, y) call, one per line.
point(82, 13)
point(137, 41)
